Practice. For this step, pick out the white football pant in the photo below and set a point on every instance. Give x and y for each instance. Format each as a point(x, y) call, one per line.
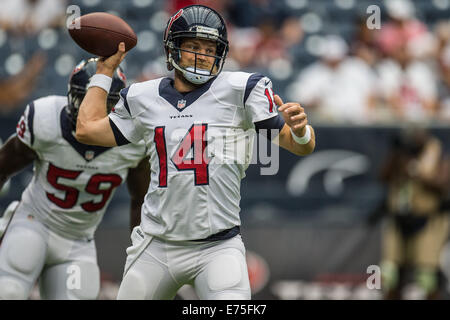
point(156, 269)
point(67, 269)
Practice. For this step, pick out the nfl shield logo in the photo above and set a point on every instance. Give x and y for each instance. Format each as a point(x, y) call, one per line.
point(181, 104)
point(89, 155)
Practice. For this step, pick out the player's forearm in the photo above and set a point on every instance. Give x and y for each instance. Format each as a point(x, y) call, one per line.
point(91, 116)
point(303, 149)
point(287, 141)
point(93, 106)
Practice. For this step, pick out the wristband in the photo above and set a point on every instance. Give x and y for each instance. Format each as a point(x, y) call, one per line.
point(302, 140)
point(101, 81)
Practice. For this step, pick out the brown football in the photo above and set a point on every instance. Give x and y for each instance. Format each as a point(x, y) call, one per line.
point(100, 33)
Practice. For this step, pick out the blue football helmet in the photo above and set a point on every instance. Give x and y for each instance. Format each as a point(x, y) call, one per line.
point(79, 79)
point(195, 21)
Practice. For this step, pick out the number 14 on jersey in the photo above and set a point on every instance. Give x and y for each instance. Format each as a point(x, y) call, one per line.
point(195, 140)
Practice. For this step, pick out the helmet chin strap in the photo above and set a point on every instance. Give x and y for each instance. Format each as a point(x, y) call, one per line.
point(189, 74)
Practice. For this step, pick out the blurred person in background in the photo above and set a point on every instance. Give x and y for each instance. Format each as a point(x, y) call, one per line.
point(31, 16)
point(15, 89)
point(254, 48)
point(442, 32)
point(291, 33)
point(408, 86)
point(51, 233)
point(444, 84)
point(417, 176)
point(407, 81)
point(364, 44)
point(404, 29)
point(244, 49)
point(337, 88)
point(270, 45)
point(249, 13)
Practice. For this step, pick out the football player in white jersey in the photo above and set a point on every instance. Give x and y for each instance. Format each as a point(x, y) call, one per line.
point(51, 233)
point(189, 232)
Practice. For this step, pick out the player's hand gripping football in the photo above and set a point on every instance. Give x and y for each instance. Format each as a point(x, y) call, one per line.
point(294, 115)
point(108, 65)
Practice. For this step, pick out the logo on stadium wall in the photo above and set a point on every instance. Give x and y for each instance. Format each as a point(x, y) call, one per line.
point(258, 271)
point(337, 165)
point(89, 155)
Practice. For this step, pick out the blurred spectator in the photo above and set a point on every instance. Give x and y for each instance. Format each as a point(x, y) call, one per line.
point(404, 29)
point(364, 45)
point(31, 16)
point(444, 84)
point(244, 46)
point(255, 48)
point(249, 13)
point(14, 90)
point(270, 45)
point(442, 31)
point(417, 177)
point(291, 32)
point(408, 86)
point(338, 88)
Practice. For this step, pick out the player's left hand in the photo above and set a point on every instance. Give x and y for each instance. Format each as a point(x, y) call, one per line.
point(294, 115)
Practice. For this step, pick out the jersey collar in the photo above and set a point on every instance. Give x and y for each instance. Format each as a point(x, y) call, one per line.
point(178, 100)
point(86, 151)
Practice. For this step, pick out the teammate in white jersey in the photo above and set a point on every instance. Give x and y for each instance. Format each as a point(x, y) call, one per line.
point(51, 233)
point(189, 232)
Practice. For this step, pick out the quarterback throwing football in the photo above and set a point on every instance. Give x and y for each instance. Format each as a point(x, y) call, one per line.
point(189, 232)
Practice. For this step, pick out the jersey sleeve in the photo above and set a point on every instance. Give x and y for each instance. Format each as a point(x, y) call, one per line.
point(24, 128)
point(258, 98)
point(125, 125)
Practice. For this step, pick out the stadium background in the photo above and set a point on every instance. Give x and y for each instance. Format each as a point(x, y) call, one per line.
point(307, 228)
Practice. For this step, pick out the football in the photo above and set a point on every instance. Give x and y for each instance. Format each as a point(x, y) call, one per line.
point(100, 33)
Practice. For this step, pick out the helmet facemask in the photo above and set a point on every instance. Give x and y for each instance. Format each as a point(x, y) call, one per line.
point(196, 22)
point(195, 74)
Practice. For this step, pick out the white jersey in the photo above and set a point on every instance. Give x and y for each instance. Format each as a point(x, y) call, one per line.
point(200, 145)
point(72, 183)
